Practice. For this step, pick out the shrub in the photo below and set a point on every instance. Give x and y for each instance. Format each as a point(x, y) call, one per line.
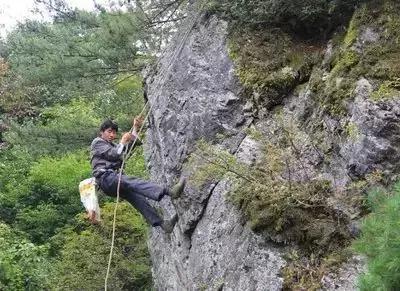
point(83, 253)
point(380, 243)
point(23, 266)
point(48, 197)
point(308, 16)
point(281, 208)
point(59, 129)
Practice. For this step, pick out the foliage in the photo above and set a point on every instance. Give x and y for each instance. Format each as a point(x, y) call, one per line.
point(135, 165)
point(46, 197)
point(58, 81)
point(354, 58)
point(57, 130)
point(23, 265)
point(78, 55)
point(84, 253)
point(81, 53)
point(122, 103)
point(15, 100)
point(14, 168)
point(44, 205)
point(280, 207)
point(271, 63)
point(307, 17)
point(210, 164)
point(306, 273)
point(64, 128)
point(157, 20)
point(379, 241)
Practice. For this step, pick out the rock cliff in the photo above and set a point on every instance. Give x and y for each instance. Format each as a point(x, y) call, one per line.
point(327, 117)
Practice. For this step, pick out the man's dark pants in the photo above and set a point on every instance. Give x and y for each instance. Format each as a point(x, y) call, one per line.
point(134, 191)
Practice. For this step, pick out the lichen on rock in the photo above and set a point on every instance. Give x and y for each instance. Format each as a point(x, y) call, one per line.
point(270, 63)
point(370, 48)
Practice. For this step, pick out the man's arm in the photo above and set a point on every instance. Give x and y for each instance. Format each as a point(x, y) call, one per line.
point(135, 140)
point(135, 136)
point(137, 125)
point(107, 151)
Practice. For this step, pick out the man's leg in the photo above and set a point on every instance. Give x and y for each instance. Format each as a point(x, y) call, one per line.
point(142, 187)
point(109, 184)
point(141, 204)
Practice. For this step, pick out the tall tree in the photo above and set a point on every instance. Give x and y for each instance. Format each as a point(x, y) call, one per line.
point(76, 55)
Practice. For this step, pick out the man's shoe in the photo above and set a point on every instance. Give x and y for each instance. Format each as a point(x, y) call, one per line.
point(176, 191)
point(168, 225)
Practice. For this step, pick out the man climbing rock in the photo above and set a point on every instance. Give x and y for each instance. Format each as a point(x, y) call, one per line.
point(106, 160)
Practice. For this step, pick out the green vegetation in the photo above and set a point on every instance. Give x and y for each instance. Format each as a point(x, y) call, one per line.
point(280, 202)
point(23, 265)
point(58, 81)
point(304, 17)
point(81, 247)
point(352, 131)
point(387, 90)
point(379, 241)
point(276, 44)
point(375, 58)
point(271, 63)
point(306, 273)
point(283, 209)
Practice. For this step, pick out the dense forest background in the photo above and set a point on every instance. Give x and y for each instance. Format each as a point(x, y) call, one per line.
point(58, 81)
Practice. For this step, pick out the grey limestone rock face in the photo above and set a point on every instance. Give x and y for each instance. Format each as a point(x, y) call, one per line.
point(375, 144)
point(226, 254)
point(212, 248)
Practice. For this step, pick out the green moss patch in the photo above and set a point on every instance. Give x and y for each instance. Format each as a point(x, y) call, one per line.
point(278, 207)
point(271, 63)
point(377, 60)
point(306, 273)
point(387, 90)
point(288, 211)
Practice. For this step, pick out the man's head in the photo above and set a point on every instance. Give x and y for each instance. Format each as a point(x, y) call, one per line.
point(108, 130)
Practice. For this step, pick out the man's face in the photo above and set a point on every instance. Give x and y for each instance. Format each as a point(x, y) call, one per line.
point(109, 134)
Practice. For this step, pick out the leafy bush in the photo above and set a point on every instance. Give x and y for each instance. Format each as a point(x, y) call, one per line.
point(14, 168)
point(82, 263)
point(278, 206)
point(59, 129)
point(46, 197)
point(23, 266)
point(306, 16)
point(380, 243)
point(122, 103)
point(135, 165)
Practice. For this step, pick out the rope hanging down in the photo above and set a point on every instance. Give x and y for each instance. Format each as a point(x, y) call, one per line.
point(159, 86)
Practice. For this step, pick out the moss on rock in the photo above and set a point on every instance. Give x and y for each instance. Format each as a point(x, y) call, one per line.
point(306, 272)
point(270, 63)
point(370, 48)
point(281, 208)
point(387, 90)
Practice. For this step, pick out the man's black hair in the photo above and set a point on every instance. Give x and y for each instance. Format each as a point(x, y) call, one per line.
point(108, 123)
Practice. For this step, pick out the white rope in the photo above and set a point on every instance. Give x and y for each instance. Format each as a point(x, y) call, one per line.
point(116, 203)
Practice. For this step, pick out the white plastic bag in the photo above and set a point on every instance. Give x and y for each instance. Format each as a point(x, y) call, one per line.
point(87, 190)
